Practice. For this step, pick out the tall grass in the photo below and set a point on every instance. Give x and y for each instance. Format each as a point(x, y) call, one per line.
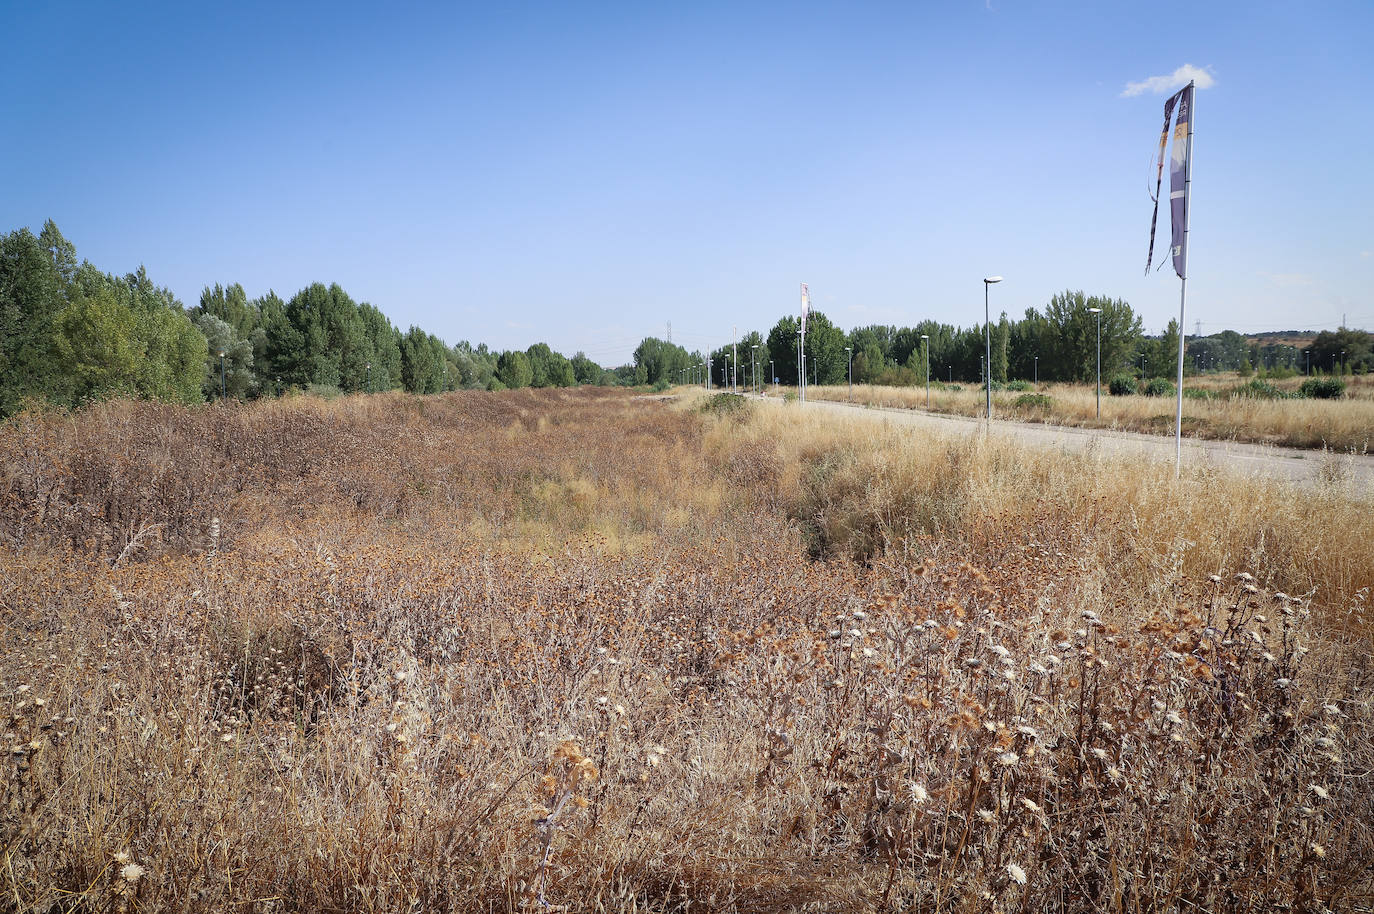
point(1342, 425)
point(583, 651)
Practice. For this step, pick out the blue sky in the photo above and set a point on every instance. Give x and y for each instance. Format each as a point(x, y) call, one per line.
point(584, 174)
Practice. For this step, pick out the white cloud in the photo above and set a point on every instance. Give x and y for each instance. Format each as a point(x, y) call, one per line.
point(1159, 85)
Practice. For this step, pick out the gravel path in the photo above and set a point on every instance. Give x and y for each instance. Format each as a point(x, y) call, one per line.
point(1353, 473)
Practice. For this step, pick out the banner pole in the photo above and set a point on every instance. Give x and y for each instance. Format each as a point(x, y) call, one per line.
point(1183, 280)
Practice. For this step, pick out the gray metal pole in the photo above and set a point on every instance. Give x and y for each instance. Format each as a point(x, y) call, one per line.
point(987, 336)
point(1183, 281)
point(1099, 364)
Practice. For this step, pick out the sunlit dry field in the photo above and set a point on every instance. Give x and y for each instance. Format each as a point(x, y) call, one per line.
point(587, 651)
point(1345, 425)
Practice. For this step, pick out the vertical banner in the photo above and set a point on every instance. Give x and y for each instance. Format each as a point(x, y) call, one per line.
point(1159, 176)
point(1178, 180)
point(805, 305)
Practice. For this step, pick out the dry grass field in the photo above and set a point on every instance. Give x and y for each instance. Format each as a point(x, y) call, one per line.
point(1345, 425)
point(585, 651)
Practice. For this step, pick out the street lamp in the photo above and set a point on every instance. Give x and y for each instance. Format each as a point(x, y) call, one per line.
point(987, 336)
point(773, 373)
point(221, 375)
point(850, 350)
point(369, 377)
point(1098, 312)
point(925, 346)
point(754, 368)
point(1037, 369)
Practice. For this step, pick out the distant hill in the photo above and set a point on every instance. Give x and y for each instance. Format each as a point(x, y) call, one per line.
point(1297, 338)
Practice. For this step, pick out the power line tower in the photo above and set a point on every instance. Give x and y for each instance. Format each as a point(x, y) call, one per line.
point(670, 331)
point(1197, 329)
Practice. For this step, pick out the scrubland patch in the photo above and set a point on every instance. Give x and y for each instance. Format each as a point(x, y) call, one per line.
point(573, 650)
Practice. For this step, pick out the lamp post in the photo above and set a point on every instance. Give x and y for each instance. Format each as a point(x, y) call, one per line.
point(850, 350)
point(1036, 369)
point(1098, 312)
point(754, 368)
point(987, 337)
point(773, 373)
point(221, 375)
point(925, 347)
point(1342, 363)
point(369, 377)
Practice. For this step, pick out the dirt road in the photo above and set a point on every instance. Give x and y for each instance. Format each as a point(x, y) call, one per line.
point(1352, 473)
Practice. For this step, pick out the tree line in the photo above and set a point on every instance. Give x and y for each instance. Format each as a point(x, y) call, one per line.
point(1059, 343)
point(70, 333)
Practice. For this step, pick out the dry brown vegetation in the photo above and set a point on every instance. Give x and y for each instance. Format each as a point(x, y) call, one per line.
point(1345, 425)
point(584, 651)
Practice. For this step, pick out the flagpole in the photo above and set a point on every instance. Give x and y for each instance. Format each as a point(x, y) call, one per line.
point(1183, 280)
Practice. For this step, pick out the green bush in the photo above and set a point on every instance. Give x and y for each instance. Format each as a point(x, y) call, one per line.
point(1197, 393)
point(1121, 385)
point(660, 386)
point(1259, 389)
point(1322, 388)
point(723, 405)
point(495, 384)
point(1158, 387)
point(1030, 402)
point(1018, 385)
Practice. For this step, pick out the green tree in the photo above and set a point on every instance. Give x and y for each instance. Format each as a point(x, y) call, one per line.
point(540, 356)
point(1073, 336)
point(658, 360)
point(97, 348)
point(1001, 338)
point(239, 380)
point(782, 349)
point(231, 305)
point(422, 368)
point(60, 251)
point(585, 370)
point(1326, 351)
point(32, 294)
point(173, 355)
point(826, 362)
point(385, 358)
point(513, 370)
